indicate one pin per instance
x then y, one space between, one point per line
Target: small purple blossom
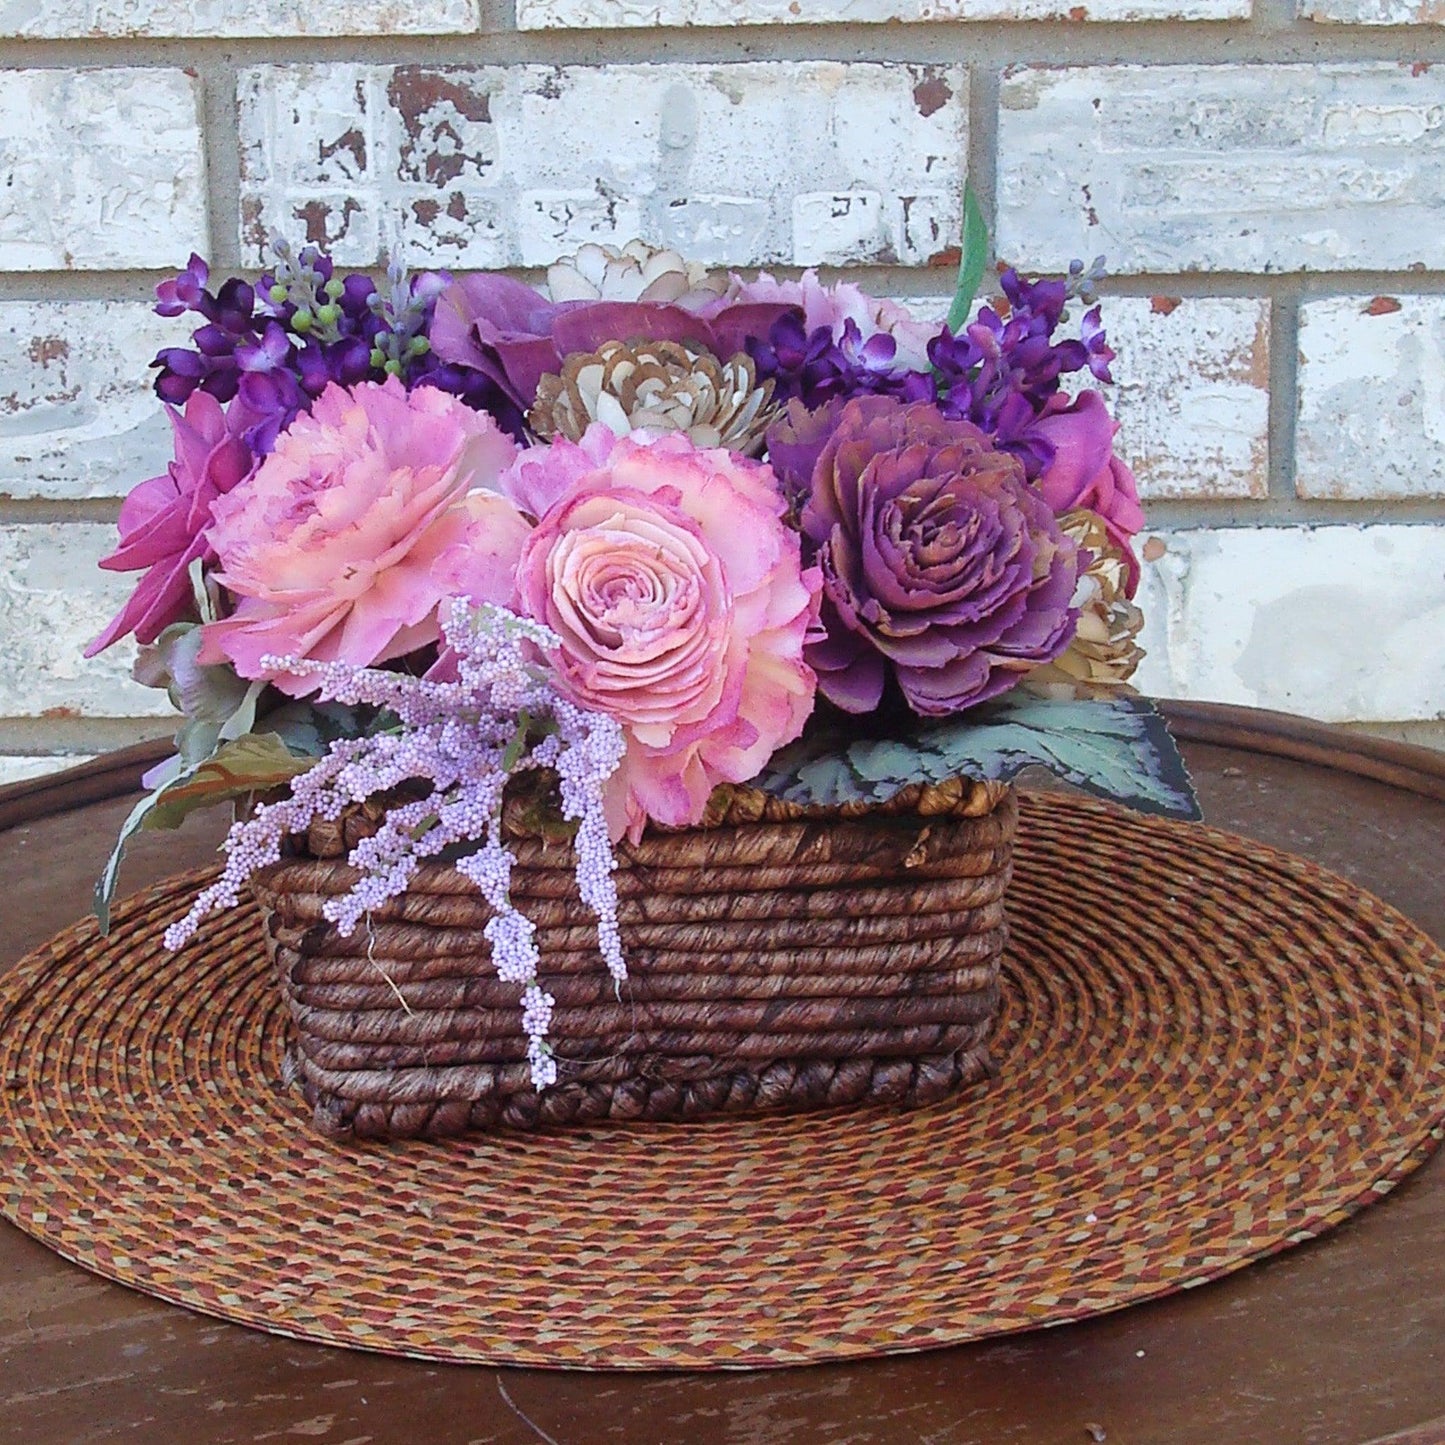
278 346
1000 371
815 367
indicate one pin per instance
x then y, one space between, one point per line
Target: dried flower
656 386
461 736
1103 653
638 272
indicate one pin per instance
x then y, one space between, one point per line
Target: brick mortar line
916 282
1282 430
996 43
221 143
1275 510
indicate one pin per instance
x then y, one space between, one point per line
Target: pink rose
354 529
1085 473
680 598
163 520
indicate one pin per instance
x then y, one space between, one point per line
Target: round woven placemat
1209 1051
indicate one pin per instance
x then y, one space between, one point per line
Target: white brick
107 19
483 167
53 601
1192 394
610 14
1373 12
1224 167
1342 624
78 417
100 169
17 768
1372 398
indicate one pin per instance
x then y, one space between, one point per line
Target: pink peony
1085 473
163 520
682 605
356 527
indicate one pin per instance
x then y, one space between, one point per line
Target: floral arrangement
654 532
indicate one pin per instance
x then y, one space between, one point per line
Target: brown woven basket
779 957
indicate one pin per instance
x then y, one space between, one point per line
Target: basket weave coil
802 958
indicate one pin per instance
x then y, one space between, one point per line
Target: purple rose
940 563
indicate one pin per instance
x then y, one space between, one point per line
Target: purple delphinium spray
816 367
279 346
467 738
1000 373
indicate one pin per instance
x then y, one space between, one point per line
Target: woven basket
778 958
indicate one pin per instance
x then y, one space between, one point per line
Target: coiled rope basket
779 957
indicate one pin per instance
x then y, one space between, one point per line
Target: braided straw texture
1212 1052
779 958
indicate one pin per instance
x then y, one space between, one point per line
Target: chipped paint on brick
108 19
1192 398
78 417
651 14
480 167
100 169
1223 167
1371 399
54 599
1338 623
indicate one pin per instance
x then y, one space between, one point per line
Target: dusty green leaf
1117 748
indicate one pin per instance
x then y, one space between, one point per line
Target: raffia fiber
779 958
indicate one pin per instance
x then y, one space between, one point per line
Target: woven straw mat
1209 1051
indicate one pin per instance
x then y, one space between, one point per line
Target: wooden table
1342 1340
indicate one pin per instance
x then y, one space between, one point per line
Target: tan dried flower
659 386
1103 654
638 272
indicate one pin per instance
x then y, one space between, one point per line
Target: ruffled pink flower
1085 473
364 518
163 520
834 306
682 604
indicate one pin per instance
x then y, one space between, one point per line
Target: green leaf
252 763
971 263
1118 748
247 764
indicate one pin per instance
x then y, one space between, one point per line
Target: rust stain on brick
61 712
352 141
45 349
1421 67
1078 12
317 217
931 94
1382 306
440 116
1165 305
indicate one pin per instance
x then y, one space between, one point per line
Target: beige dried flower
658 386
1103 654
638 272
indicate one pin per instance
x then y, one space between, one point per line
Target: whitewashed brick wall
1269 190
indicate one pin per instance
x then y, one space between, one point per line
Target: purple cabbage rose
941 564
